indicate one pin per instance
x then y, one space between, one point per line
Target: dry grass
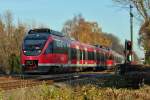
87 92
111 88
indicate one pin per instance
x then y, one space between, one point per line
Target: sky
54 13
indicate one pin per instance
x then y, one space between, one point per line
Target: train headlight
39 51
24 51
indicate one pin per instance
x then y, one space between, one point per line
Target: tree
11 37
141 6
142 9
85 31
70 26
116 45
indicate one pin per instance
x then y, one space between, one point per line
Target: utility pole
131 30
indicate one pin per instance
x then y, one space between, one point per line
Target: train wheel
94 69
54 70
80 69
141 83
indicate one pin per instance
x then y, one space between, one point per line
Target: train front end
33 49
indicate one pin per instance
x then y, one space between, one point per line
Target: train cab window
49 49
34 43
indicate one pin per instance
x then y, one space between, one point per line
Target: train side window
73 53
92 58
107 56
60 47
49 49
115 58
110 57
86 55
90 55
95 57
83 55
98 56
102 57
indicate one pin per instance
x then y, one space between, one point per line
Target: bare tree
11 36
142 9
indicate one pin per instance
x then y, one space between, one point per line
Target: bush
87 92
147 60
14 62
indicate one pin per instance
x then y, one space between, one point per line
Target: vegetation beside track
83 89
88 92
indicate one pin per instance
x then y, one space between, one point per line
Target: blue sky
54 13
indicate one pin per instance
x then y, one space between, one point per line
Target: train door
86 55
78 56
95 57
98 58
113 59
104 59
107 59
48 52
82 57
69 55
73 55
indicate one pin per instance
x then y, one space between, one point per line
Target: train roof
73 43
45 31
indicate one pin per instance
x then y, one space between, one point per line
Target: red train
45 50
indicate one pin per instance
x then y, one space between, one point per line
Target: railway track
22 81
14 82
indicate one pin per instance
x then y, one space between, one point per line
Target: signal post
128 51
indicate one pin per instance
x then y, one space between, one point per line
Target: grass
87 89
88 92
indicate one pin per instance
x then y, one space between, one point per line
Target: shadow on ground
115 81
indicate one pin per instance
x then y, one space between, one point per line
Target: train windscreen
34 43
